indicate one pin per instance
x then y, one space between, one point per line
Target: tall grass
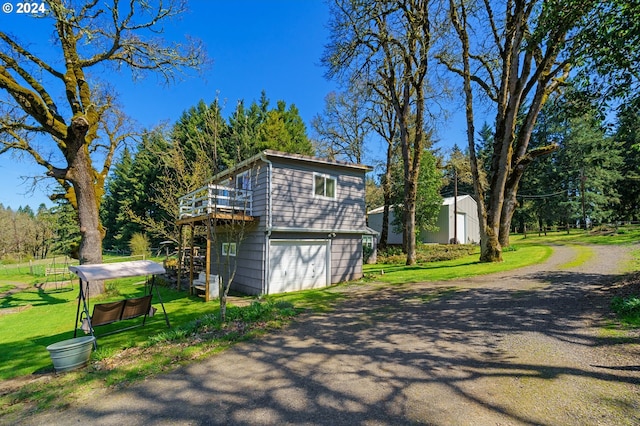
628 309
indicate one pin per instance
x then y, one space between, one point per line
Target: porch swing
110 312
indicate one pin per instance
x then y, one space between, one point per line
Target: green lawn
32 319
459 268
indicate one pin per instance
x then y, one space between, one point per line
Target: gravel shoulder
527 347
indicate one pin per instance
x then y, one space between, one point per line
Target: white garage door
461 228
297 265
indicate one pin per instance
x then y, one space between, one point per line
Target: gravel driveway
524 347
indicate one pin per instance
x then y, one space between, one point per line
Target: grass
627 309
600 236
583 255
466 266
126 357
39 318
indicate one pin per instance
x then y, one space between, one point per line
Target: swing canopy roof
106 271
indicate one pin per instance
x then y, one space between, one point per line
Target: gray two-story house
281 222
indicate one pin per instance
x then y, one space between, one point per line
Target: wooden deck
220 217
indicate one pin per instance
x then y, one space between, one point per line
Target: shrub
139 245
626 306
628 309
427 253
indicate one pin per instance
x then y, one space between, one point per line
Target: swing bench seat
111 312
107 313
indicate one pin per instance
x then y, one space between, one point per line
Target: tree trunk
508 209
490 248
410 226
82 176
410 193
386 194
223 305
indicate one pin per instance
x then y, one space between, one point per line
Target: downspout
267 234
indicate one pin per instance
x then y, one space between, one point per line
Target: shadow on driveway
524 350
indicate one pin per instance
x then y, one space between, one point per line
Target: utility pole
455 206
582 194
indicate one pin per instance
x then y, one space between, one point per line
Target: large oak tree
514 54
58 96
387 46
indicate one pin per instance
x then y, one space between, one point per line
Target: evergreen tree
118 194
627 136
142 192
578 183
429 200
65 228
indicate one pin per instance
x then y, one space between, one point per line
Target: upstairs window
324 186
243 181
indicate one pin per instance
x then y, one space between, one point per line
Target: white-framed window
324 185
243 180
229 249
367 241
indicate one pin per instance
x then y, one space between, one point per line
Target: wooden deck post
207 259
191 262
180 253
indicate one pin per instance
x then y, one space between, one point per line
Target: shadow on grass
29 355
24 298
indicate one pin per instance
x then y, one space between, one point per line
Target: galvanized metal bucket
71 354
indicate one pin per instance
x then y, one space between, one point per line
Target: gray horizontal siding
295 205
249 260
346 258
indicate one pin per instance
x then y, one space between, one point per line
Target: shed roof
105 271
445 202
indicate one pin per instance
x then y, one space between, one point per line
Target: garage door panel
297 265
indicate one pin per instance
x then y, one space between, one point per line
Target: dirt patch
17 287
8 311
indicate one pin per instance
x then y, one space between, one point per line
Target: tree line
142 193
25 234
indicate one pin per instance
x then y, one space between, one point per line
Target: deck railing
215 198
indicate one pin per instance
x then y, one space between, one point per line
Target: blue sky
255 45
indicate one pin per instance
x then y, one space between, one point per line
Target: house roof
271 154
445 202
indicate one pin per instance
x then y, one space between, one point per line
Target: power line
554 194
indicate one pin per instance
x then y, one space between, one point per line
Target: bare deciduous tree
343 125
389 43
59 96
520 52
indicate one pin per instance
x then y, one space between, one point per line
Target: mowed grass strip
466 266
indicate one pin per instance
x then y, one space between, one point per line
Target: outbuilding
460 217
281 222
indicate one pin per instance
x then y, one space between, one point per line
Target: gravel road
526 347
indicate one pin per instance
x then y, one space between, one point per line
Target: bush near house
427 253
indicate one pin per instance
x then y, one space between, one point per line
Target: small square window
229 249
324 186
